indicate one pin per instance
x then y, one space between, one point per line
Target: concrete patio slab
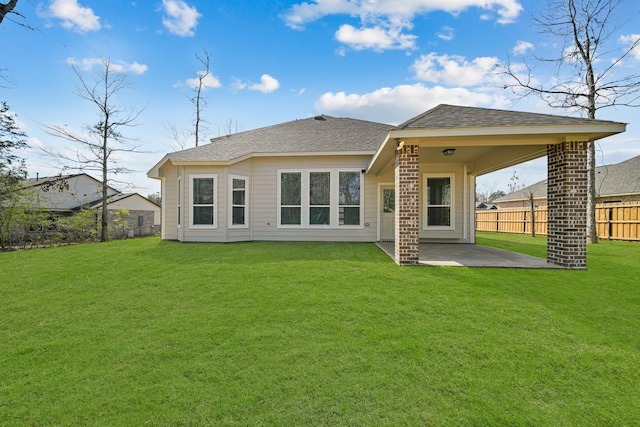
470 255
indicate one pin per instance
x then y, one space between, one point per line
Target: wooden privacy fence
614 221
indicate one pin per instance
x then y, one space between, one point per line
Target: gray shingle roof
314 135
452 116
616 179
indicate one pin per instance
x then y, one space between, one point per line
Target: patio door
387 212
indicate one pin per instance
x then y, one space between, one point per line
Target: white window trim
179 193
246 201
334 222
215 202
425 218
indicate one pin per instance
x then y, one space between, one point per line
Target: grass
148 332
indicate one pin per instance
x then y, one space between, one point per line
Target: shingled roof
611 180
320 134
453 116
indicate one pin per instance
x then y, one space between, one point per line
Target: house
619 182
484 206
66 194
342 179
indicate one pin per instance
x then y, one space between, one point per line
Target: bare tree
96 148
198 100
589 70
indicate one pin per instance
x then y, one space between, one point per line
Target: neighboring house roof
320 134
452 116
40 181
611 180
122 196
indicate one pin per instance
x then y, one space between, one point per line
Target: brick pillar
407 180
567 200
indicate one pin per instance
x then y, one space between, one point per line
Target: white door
387 212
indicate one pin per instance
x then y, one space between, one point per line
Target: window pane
319 215
238 183
349 216
439 216
439 191
319 188
203 191
290 216
237 216
238 197
389 200
203 215
349 188
290 188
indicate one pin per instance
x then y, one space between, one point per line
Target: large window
320 198
238 197
203 200
290 198
179 202
349 197
439 201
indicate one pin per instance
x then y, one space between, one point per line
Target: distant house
484 206
67 194
619 182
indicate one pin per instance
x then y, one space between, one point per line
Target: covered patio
470 255
452 145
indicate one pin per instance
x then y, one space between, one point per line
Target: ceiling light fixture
448 152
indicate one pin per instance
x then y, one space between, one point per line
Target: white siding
169 203
136 202
82 189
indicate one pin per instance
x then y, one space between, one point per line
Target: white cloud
87 64
453 70
394 105
181 19
74 17
630 40
376 38
446 33
368 10
522 47
267 84
209 81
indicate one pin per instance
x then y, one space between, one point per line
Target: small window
238 198
290 198
439 198
203 201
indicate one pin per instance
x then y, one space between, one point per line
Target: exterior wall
169 194
567 196
264 192
132 228
138 203
82 189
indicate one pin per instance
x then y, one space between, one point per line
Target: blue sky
276 61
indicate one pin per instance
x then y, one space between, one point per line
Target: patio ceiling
487 149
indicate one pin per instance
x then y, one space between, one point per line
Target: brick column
407 180
567 200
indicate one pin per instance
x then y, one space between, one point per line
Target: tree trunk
6 8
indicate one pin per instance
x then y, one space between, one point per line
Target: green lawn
145 332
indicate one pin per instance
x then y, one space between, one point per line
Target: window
179 202
349 197
290 198
319 198
238 197
439 207
203 200
324 198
